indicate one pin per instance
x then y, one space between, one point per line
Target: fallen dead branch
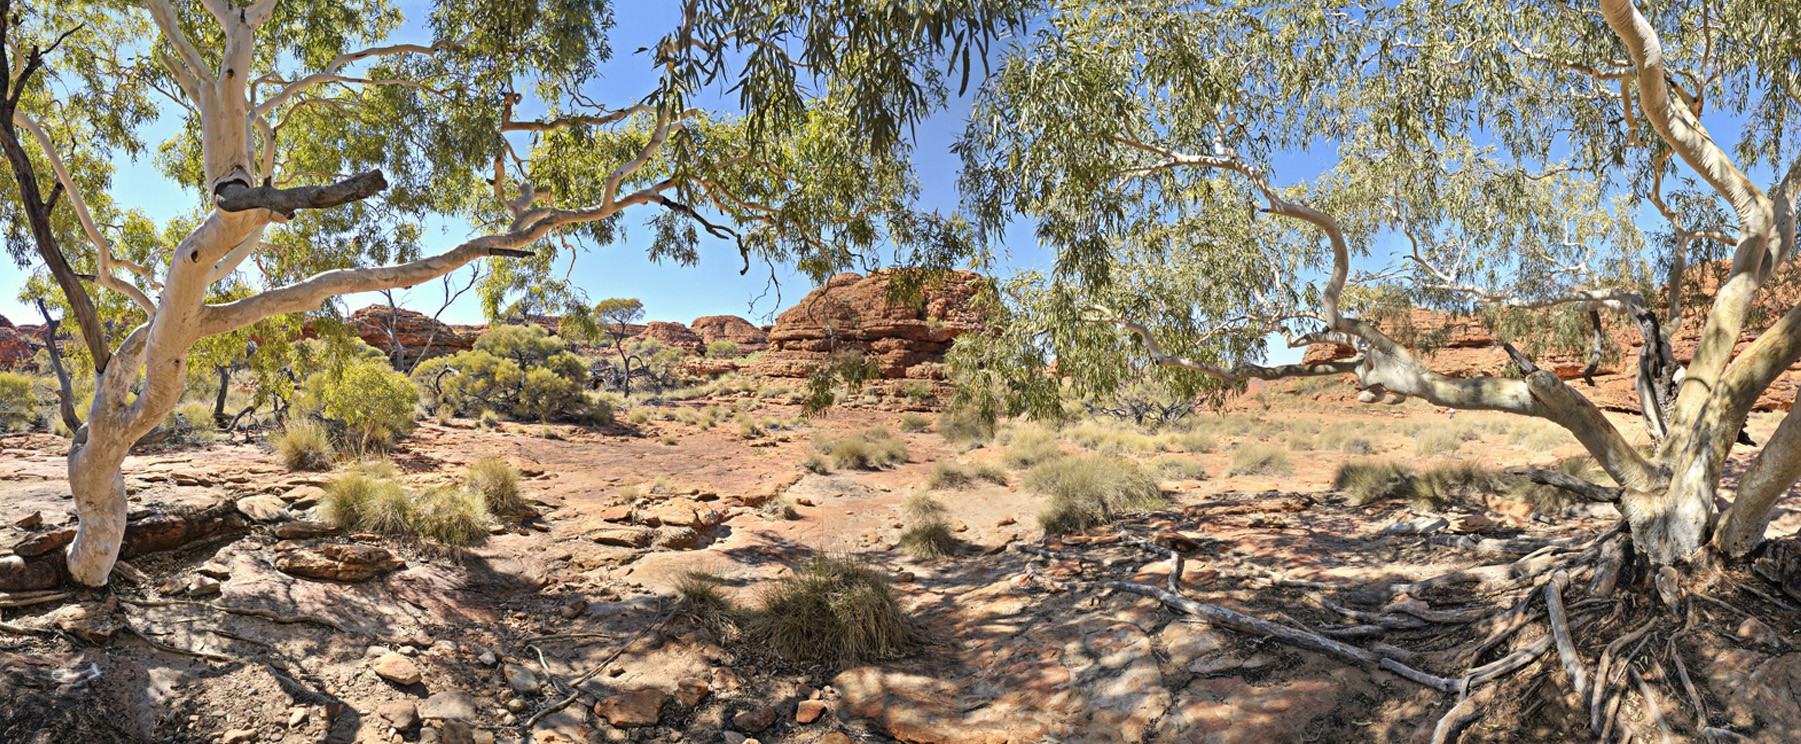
1234 620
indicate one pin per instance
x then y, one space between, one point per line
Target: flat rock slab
455 705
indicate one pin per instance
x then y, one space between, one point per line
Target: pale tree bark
154 355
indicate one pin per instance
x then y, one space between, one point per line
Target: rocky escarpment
856 313
747 337
19 345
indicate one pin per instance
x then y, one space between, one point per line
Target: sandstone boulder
339 562
856 313
673 336
418 335
749 338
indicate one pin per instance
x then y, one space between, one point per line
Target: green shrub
1369 482
18 405
372 402
1259 459
723 349
914 422
917 391
780 508
816 463
834 612
302 445
948 475
923 506
1029 447
1087 490
871 450
497 482
518 372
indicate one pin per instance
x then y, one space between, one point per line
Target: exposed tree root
1491 654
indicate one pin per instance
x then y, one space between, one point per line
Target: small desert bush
302 445
372 401
964 427
779 508
1357 446
1193 442
914 422
1107 439
723 349
1091 489
816 463
1176 467
698 596
922 506
448 516
1260 459
834 612
949 475
1302 442
870 450
1539 436
18 405
639 417
748 428
928 540
1437 440
369 498
497 482
1371 482
1029 447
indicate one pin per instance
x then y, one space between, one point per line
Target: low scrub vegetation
497 482
929 537
1373 482
914 422
1551 499
871 450
370 404
834 612
1088 490
18 405
1027 447
951 475
371 498
1443 439
1260 459
965 427
303 446
518 372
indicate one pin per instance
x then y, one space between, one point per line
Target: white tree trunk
98 484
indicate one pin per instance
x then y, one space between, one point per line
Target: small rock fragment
636 708
754 720
808 711
401 714
454 705
690 690
520 679
396 668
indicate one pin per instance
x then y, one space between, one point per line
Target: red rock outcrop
673 336
749 338
19 345
854 312
419 335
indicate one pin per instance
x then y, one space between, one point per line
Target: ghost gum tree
1529 157
316 147
1541 163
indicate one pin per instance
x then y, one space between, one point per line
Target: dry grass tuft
303 445
872 450
834 612
1260 459
497 481
929 540
952 475
1091 489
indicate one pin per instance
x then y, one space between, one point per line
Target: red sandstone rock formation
672 335
749 338
419 335
854 312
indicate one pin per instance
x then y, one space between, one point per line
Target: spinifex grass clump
498 483
370 498
1372 482
953 475
303 445
1260 459
871 450
930 535
834 612
1091 489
